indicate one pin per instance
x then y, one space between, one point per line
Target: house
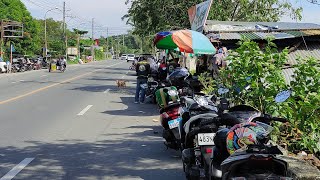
302 39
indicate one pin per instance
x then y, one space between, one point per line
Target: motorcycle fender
176 133
207 155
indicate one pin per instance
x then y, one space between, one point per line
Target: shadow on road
133 109
137 156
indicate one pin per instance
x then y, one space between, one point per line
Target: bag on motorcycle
167 95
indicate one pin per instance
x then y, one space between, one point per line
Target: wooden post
1 39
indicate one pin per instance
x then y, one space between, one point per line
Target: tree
150 17
15 10
253 10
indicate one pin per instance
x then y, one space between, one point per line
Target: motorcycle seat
162 110
196 118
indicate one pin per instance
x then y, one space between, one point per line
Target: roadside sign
198 15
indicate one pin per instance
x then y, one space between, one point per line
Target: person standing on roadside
143 71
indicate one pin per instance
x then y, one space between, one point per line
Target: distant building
302 39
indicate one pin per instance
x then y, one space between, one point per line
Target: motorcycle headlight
172 93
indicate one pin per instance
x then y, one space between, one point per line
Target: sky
107 14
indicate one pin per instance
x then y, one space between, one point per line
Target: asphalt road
80 125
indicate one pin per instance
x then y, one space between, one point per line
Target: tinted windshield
130 55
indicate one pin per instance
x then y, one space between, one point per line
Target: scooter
207 137
57 65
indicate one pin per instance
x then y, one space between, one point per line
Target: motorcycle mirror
283 96
222 91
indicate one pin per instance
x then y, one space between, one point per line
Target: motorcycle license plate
206 139
174 123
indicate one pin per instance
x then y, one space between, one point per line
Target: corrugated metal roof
228 36
257 35
276 35
235 26
296 33
288 74
249 36
311 32
303 52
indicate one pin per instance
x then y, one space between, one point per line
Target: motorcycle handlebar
283 120
267 119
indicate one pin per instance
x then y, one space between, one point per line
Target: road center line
14 171
85 110
125 74
106 91
50 86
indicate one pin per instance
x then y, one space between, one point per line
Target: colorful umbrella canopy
185 40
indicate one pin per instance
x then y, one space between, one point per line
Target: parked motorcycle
57 65
171 113
184 81
209 145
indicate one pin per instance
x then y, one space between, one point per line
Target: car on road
124 57
130 57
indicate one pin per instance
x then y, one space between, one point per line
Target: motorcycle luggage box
53 67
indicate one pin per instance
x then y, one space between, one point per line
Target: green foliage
248 10
15 10
260 70
266 80
99 55
208 83
303 109
150 17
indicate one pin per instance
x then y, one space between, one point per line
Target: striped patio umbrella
185 40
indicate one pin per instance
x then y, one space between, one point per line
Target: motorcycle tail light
209 150
173 113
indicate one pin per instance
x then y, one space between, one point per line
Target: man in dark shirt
143 71
173 65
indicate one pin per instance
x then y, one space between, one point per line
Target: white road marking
21 80
14 171
44 75
85 110
106 91
125 74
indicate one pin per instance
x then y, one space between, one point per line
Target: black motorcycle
171 112
206 155
184 81
151 87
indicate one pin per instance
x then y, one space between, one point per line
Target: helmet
178 76
242 135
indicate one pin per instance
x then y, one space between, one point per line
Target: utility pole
107 43
64 18
1 49
123 40
64 30
92 49
118 47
